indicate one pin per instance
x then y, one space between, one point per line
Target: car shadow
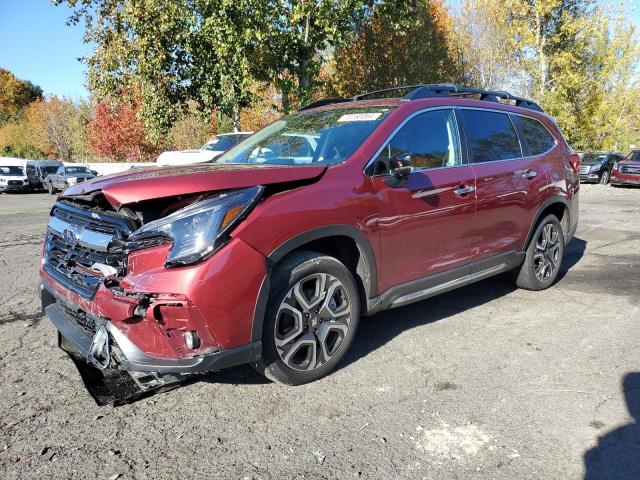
377 330
617 453
573 253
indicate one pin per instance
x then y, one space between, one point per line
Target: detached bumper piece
114 370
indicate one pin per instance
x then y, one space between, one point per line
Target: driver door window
431 138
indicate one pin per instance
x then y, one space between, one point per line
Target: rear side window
490 136
536 137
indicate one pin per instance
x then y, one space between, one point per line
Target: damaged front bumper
114 369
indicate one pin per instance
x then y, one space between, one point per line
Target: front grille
68 259
630 169
584 169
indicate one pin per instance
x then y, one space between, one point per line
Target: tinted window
490 136
431 138
591 158
535 135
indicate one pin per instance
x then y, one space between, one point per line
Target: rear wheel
543 256
604 178
311 318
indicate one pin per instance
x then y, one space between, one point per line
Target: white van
13 177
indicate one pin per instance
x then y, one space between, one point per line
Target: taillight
574 161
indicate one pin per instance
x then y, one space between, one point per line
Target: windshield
11 171
634 156
74 170
48 170
224 142
307 138
589 158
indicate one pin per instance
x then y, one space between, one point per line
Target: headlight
595 168
3 180
199 229
72 180
615 166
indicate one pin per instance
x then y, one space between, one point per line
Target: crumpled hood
142 184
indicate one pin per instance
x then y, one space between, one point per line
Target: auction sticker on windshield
360 117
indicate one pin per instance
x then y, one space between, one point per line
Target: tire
605 177
50 189
301 344
543 256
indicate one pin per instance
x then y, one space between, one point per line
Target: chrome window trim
468 164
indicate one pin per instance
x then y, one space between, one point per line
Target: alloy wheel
547 257
312 322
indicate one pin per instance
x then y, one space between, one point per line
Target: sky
36 44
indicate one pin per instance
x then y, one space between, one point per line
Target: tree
297 35
171 53
210 51
579 61
15 95
398 47
115 132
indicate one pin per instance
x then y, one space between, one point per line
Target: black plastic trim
438 283
366 253
546 204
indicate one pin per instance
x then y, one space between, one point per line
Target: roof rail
451 90
437 90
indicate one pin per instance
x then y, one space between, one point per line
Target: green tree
209 51
170 53
398 46
578 60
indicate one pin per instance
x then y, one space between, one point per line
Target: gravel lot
485 382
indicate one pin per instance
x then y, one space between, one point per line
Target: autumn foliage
116 132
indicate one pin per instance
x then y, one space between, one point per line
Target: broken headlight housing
198 230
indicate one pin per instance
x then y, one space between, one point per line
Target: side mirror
401 169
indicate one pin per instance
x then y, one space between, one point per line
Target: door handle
464 189
526 173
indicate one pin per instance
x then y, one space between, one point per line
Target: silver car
66 176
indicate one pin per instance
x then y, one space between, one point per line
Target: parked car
12 175
66 176
596 167
627 170
209 151
272 260
38 170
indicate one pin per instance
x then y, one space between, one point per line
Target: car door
423 222
60 179
510 184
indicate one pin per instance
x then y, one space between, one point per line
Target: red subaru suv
271 255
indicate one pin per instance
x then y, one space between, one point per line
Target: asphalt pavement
486 382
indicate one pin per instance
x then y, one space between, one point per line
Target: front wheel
50 189
604 178
311 318
543 256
